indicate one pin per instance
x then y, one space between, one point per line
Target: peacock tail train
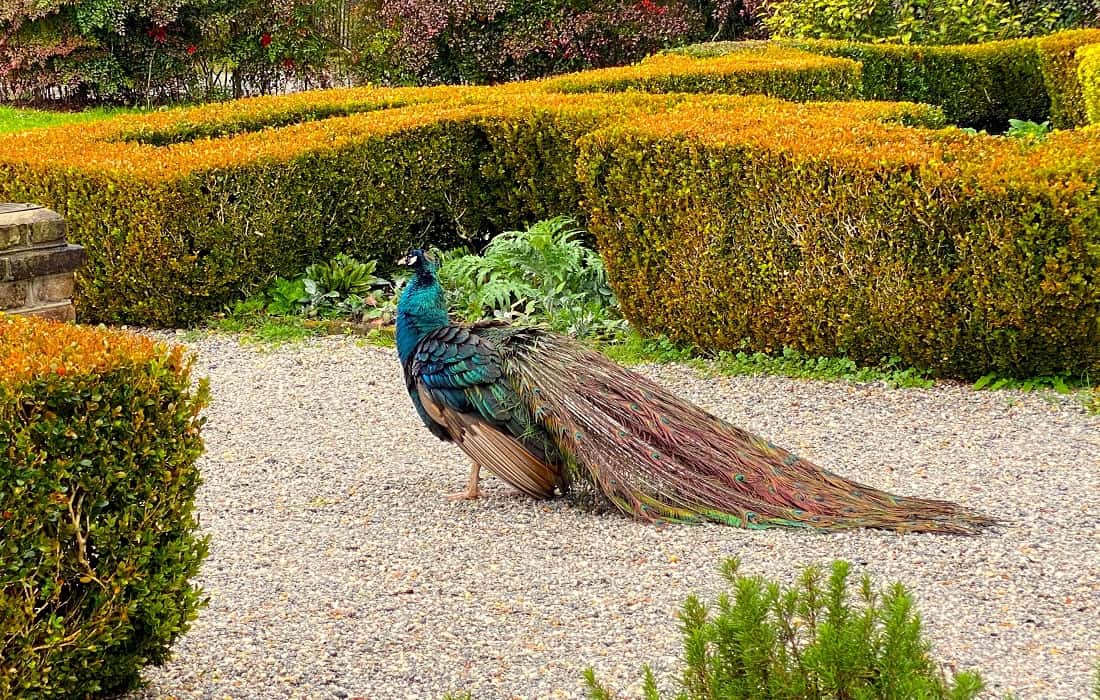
654 455
547 414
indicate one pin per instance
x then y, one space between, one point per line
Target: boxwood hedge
98 542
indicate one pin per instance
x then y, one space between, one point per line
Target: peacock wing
456 376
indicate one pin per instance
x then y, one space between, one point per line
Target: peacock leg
472 491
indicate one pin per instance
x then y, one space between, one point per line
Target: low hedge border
175 232
98 539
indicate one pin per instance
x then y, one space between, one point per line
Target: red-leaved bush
488 41
160 50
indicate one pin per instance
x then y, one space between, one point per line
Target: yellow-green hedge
759 69
1088 76
184 211
979 85
175 232
1058 57
98 542
788 226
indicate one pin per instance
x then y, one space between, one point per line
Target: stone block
55 312
54 287
41 262
14 294
10 237
29 224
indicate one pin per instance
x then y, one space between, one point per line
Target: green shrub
1088 76
172 249
812 641
822 19
1058 58
980 85
98 538
786 227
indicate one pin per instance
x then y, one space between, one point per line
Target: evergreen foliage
815 640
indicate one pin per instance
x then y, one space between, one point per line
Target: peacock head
421 261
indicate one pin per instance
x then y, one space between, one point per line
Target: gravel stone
339 569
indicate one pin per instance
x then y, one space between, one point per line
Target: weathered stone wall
37 265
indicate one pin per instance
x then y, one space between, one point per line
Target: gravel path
339 569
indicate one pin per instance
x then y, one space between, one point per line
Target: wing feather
493 449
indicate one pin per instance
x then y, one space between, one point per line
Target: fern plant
544 274
813 641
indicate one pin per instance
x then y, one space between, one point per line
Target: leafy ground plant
1081 389
815 640
545 274
319 301
1027 130
631 348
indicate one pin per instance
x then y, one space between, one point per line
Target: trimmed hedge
183 211
177 231
1058 57
760 69
786 226
97 481
978 85
1088 75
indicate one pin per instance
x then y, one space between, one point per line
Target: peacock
550 416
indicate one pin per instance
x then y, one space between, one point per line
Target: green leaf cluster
815 640
1027 130
342 288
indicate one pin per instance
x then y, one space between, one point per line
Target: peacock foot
467 495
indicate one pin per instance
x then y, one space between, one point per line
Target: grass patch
268 330
634 349
631 348
1083 390
15 119
792 363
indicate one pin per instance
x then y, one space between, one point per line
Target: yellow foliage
32 348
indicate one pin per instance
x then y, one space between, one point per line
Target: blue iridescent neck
421 310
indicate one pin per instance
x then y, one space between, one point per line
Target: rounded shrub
98 539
